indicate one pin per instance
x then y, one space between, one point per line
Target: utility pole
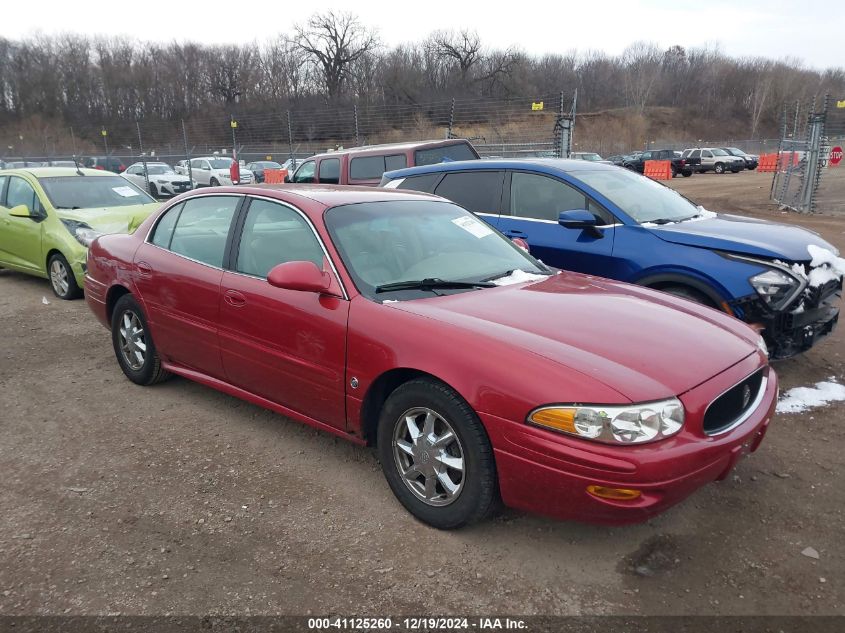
187 154
143 157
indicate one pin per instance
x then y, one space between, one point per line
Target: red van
365 165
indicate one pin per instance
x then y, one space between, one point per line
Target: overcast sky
770 28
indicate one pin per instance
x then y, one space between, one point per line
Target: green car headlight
83 233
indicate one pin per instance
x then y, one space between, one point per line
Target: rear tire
214 183
436 455
62 278
133 344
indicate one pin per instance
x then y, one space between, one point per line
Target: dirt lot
178 499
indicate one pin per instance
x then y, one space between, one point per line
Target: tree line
333 59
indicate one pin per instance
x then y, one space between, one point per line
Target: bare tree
642 62
462 48
334 41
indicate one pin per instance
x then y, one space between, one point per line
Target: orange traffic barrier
275 176
658 169
787 159
768 162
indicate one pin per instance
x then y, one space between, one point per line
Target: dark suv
366 165
679 165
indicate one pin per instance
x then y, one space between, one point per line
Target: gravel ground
178 499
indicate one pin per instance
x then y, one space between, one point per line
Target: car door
178 272
284 345
201 171
640 162
21 238
135 175
305 173
477 191
707 159
534 202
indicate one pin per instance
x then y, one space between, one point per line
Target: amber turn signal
616 494
560 419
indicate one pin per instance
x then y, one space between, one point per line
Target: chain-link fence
807 176
830 189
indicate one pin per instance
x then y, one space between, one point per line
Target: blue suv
608 221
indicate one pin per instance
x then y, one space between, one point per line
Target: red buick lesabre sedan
401 321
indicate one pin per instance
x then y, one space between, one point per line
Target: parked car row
489 339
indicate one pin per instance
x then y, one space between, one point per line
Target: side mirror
577 219
21 211
299 275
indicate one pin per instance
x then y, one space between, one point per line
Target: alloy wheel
133 342
59 277
428 456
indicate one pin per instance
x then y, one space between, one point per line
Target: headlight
761 345
774 287
83 233
632 424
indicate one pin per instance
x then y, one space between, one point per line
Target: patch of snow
390 301
518 277
826 266
44 301
703 214
800 399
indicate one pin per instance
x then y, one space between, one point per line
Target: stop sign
835 155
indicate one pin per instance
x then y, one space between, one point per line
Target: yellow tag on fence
536 106
840 104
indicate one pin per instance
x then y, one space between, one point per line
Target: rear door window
396 161
330 170
477 191
202 229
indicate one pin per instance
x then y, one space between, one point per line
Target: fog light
617 494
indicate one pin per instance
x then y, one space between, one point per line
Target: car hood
746 236
643 344
111 219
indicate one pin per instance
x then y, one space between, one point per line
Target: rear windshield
444 154
92 192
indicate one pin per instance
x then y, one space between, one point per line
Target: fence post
187 154
105 134
143 157
72 140
355 112
290 142
451 119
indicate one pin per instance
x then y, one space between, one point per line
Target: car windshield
590 157
641 198
157 170
444 154
220 163
734 151
267 165
719 152
412 240
92 192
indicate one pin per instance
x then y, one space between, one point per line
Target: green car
50 215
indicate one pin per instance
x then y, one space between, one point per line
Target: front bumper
547 473
788 333
173 189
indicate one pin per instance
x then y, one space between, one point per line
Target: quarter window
274 234
424 182
203 227
330 171
397 161
164 229
305 173
479 191
543 198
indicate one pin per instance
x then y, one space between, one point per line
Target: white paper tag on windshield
126 192
471 225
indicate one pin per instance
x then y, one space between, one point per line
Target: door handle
234 298
144 269
515 233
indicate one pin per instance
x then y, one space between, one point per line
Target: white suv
213 171
713 159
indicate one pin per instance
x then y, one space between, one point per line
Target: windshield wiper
431 284
512 271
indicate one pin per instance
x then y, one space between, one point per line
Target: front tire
62 278
685 292
719 168
133 344
153 191
436 455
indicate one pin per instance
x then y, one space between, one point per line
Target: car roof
325 195
390 147
548 165
57 172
